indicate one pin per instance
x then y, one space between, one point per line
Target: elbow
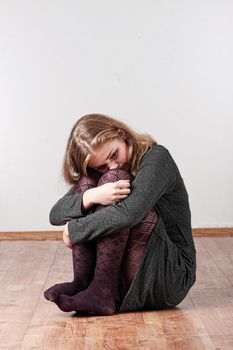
54 219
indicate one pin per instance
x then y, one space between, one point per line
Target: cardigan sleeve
68 207
156 176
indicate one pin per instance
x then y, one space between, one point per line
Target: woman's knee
85 183
114 175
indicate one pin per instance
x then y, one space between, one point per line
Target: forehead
99 155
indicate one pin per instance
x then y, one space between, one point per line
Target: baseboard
216 231
31 236
57 235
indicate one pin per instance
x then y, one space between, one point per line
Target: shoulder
159 148
157 158
156 151
157 163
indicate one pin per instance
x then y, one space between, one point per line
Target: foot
68 288
83 301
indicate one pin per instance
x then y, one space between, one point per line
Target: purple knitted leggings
104 268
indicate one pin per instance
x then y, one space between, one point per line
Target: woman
151 209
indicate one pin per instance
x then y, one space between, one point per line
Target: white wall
164 67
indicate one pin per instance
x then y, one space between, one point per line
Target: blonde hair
92 130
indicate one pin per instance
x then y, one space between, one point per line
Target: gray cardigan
167 269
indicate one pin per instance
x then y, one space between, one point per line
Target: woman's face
113 154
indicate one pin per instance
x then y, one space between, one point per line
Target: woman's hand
112 192
66 239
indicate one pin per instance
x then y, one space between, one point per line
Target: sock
84 259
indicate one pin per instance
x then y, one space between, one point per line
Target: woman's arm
155 177
73 205
70 206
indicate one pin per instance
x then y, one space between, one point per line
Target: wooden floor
204 320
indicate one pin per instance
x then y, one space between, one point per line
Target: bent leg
102 294
83 256
138 238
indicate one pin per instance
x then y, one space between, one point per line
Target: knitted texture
139 235
102 294
103 268
83 257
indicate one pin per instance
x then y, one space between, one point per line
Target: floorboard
204 319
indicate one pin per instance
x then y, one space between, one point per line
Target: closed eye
113 156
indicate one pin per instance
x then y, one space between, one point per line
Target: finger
123 196
124 191
123 183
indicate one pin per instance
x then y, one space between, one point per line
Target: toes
49 295
63 303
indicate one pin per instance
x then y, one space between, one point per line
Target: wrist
89 198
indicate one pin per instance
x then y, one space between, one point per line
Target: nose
112 165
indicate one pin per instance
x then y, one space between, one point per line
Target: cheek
122 158
125 156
